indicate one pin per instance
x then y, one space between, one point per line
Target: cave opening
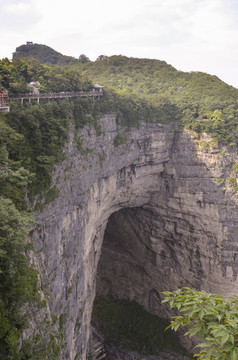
127 259
140 258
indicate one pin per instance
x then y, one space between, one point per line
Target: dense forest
32 138
196 100
44 54
202 102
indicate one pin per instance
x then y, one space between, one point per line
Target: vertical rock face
167 223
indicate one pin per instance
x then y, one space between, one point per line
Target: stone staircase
99 350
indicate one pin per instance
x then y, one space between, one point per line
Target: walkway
57 95
5 99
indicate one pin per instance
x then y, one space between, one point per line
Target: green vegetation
199 101
44 54
15 77
45 344
232 182
235 167
32 138
128 325
42 131
37 135
18 280
120 139
31 143
213 318
19 296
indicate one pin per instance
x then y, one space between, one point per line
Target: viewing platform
5 99
57 95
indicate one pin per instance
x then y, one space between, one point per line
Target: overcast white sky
191 35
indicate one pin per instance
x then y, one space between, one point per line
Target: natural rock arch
164 192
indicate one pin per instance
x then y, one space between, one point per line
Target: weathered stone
172 223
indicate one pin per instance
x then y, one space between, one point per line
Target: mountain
201 102
126 203
43 53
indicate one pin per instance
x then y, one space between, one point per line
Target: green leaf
201 314
175 328
225 338
202 345
234 354
231 339
227 348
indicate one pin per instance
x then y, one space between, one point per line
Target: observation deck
5 99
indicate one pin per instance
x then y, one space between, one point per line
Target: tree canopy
44 53
213 318
199 99
196 96
15 77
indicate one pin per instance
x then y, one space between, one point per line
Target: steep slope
152 212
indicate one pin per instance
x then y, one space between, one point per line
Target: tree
101 57
18 280
83 58
211 317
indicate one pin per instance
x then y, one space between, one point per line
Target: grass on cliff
126 324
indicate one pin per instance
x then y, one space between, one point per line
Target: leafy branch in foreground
211 317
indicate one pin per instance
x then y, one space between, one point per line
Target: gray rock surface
171 223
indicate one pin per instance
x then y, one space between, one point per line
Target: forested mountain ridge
200 101
44 54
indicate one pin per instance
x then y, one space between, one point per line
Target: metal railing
55 95
5 98
4 103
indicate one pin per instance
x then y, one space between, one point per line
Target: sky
191 35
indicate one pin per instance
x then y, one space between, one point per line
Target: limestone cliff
132 220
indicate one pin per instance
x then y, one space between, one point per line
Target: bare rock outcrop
167 220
